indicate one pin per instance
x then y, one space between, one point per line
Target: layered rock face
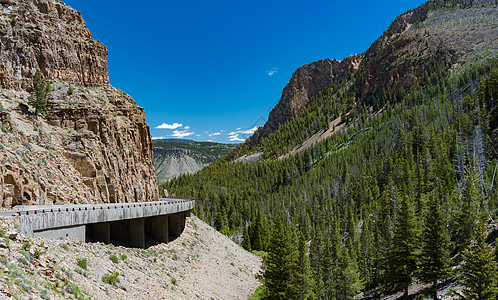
421 40
93 145
50 36
306 82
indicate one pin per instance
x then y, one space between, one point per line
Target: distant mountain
175 140
173 157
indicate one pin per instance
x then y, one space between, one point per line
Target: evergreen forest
401 196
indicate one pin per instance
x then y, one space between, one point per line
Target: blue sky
212 70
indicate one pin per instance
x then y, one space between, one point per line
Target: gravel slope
200 264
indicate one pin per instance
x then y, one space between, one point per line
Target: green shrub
111 278
173 280
38 97
75 290
114 258
37 253
82 263
23 261
124 256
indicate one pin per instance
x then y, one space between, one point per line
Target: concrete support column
187 213
101 232
176 222
160 228
137 233
184 215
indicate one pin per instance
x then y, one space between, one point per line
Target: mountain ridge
400 57
174 157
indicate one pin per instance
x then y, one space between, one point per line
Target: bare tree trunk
434 290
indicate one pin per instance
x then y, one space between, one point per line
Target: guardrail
129 223
25 210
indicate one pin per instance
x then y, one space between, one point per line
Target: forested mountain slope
387 200
435 32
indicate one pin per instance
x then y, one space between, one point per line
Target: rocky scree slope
171 163
174 158
200 264
93 145
430 34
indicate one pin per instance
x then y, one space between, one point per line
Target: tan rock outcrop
93 145
306 82
50 36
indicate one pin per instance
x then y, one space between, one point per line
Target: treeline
385 202
206 148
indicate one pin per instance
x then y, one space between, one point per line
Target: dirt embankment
200 264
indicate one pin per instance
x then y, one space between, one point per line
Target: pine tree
404 259
434 259
246 243
316 257
367 252
348 282
280 264
468 216
384 234
304 279
258 239
479 271
38 97
496 252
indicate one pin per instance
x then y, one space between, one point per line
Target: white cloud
248 131
235 138
187 127
272 72
215 133
182 133
159 137
169 126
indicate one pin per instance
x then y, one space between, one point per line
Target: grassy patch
261 254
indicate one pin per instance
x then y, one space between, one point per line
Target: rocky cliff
93 145
437 32
306 82
50 36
